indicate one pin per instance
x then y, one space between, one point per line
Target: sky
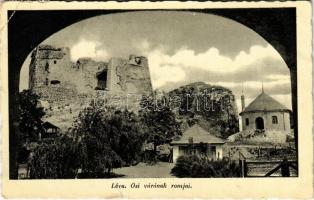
181 47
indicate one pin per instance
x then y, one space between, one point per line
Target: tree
109 137
90 129
129 133
30 116
159 119
59 158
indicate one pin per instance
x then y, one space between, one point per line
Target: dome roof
264 102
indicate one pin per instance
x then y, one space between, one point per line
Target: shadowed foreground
143 170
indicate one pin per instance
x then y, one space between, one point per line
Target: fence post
245 168
285 172
241 167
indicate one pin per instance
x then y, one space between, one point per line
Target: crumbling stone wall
65 87
48 63
129 76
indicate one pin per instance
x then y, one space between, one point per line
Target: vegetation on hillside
214 104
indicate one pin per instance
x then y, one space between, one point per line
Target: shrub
58 159
98 157
197 167
23 154
110 138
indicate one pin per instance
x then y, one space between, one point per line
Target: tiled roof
199 135
264 102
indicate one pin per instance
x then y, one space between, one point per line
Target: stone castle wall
65 87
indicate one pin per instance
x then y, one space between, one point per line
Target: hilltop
211 106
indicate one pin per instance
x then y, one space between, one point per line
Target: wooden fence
278 168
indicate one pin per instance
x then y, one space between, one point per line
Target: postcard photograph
153 93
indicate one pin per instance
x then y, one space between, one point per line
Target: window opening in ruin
101 80
54 82
247 122
47 67
138 60
55 62
46 82
78 63
274 119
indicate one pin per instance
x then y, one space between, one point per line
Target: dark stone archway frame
27 29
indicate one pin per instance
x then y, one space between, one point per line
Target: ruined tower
68 86
47 66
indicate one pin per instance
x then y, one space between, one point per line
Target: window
274 119
138 60
247 122
47 67
101 80
54 62
54 82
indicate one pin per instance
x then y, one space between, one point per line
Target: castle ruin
65 87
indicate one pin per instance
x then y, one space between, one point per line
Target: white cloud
174 68
278 77
161 73
167 69
88 48
212 60
144 45
177 68
255 84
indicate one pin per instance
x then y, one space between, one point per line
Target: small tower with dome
265 113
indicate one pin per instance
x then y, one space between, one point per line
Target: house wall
180 150
283 120
219 152
175 153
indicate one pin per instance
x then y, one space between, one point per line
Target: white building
265 113
198 141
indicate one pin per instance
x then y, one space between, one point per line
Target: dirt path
142 170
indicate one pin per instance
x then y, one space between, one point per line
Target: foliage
200 167
58 158
30 116
129 133
97 157
23 154
159 119
215 104
109 137
260 137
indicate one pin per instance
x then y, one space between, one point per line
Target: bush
58 159
98 158
197 167
110 138
23 154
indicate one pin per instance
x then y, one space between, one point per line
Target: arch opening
16 81
259 123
